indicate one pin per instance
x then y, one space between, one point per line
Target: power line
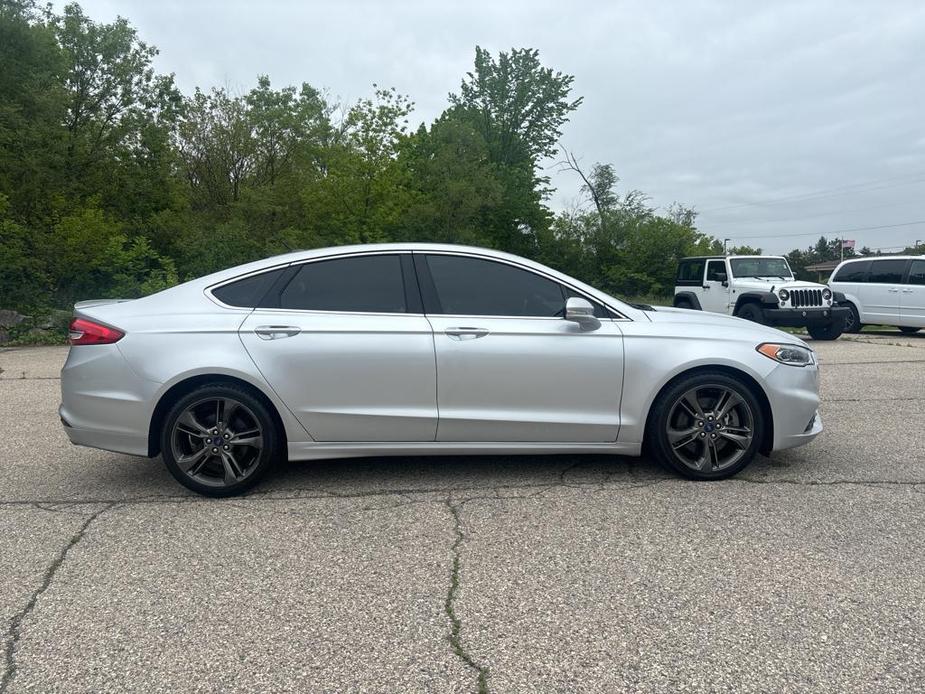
823 193
817 214
832 231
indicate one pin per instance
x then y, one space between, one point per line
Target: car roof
720 257
882 257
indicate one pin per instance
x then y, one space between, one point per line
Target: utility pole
726 243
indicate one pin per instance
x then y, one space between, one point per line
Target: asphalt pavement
510 574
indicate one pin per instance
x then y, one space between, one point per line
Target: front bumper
793 393
799 318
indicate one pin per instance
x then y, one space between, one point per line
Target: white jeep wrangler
759 288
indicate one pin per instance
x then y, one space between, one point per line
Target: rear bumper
115 441
104 403
799 318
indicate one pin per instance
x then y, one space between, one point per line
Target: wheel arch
191 383
690 297
754 298
767 433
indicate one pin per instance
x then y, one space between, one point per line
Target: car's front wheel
751 312
219 440
908 330
853 320
706 426
831 331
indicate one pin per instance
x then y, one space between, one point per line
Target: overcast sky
778 121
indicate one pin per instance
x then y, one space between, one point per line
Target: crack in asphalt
455 636
606 483
14 633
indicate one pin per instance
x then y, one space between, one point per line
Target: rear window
690 272
853 272
887 271
247 292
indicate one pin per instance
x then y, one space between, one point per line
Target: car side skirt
306 450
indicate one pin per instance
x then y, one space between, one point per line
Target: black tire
852 320
750 311
832 331
249 414
667 406
683 303
908 330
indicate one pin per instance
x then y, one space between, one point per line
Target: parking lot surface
510 574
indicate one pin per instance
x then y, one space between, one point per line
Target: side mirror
581 311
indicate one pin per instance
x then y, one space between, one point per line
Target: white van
883 290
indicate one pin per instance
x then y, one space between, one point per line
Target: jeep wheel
908 330
852 320
683 303
750 312
832 331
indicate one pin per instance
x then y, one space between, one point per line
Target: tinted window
247 292
853 272
691 271
716 271
366 283
917 272
473 287
887 271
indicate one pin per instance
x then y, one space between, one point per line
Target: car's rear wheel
706 426
750 312
853 320
683 303
908 330
219 440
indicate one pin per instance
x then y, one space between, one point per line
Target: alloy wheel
217 441
710 428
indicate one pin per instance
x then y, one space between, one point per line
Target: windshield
760 267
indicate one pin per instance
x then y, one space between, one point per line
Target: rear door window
916 272
887 271
362 284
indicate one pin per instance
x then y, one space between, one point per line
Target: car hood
688 318
765 284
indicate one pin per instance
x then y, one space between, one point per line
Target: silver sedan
405 349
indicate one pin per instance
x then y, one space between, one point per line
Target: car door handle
466 333
276 332
893 290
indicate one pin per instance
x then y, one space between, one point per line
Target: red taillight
86 332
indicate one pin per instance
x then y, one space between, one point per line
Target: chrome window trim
208 290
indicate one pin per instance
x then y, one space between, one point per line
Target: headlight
826 293
792 355
783 294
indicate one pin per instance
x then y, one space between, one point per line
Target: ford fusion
406 349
